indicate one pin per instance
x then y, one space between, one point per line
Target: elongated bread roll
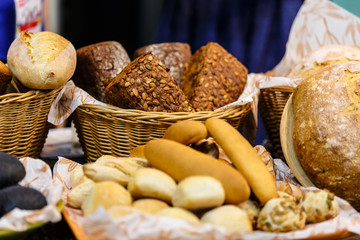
181 161
244 157
186 132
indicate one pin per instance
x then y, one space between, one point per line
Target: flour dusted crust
326 132
325 56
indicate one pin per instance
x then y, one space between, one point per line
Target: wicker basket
271 105
23 121
112 130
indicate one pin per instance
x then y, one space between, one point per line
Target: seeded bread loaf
174 55
326 132
213 78
97 64
5 77
145 84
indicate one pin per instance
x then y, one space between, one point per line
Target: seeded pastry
145 84
213 78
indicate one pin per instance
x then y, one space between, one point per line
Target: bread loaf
145 84
213 78
174 55
186 132
5 77
326 132
97 64
44 60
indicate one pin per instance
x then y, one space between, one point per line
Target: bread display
198 192
231 217
5 77
281 215
319 205
174 55
97 64
150 182
213 78
326 130
145 84
324 56
44 60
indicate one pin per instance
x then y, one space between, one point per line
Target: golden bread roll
326 131
289 188
266 158
44 60
198 192
319 205
244 157
105 194
324 56
252 209
229 216
138 152
151 182
181 161
180 213
118 211
149 205
99 173
78 193
76 175
127 165
186 132
281 215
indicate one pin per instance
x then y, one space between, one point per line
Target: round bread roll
281 215
149 205
150 182
252 209
326 131
319 205
324 56
44 60
118 211
231 217
180 213
198 192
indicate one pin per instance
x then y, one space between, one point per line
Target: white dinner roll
231 217
319 205
198 192
153 183
180 213
76 175
149 205
44 60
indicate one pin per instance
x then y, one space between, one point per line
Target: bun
149 205
79 192
105 194
198 192
229 216
181 161
150 182
324 56
179 213
213 78
5 77
186 132
244 157
326 132
174 55
44 60
97 64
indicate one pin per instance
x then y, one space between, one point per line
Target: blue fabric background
7 26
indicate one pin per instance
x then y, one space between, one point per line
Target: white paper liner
140 225
38 176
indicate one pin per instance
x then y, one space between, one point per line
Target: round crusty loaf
326 130
44 60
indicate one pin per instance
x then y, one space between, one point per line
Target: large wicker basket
23 121
112 130
271 105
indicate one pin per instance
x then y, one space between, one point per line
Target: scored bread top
213 78
327 131
145 84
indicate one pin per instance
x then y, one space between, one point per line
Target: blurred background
255 31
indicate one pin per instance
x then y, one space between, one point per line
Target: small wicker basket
112 130
271 105
23 121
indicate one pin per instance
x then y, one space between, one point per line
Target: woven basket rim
113 111
27 96
287 89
